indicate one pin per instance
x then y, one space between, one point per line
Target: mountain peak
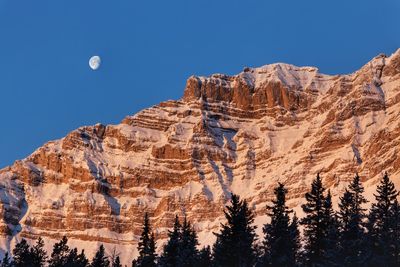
269 86
280 85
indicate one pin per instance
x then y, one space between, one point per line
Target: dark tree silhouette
318 213
295 244
114 258
76 260
81 260
380 224
59 256
280 236
116 262
234 245
204 258
169 257
38 254
146 246
351 218
395 230
331 226
100 259
22 254
7 261
187 252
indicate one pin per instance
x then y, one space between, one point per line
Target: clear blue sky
149 48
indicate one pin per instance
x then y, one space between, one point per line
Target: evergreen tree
72 256
169 257
395 230
81 260
331 226
6 262
204 258
380 223
357 190
116 262
315 225
76 260
146 246
351 216
295 244
280 244
22 254
100 259
38 254
114 258
234 245
187 252
59 256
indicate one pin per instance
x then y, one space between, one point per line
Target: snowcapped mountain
240 134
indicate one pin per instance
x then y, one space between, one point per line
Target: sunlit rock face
240 134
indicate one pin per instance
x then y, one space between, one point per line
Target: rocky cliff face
240 134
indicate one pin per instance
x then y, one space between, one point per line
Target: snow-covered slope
240 134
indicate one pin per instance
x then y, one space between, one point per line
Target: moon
94 62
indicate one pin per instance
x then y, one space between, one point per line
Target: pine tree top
315 198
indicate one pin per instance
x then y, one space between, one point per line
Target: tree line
350 236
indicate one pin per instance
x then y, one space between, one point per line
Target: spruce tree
280 242
38 254
169 256
188 252
380 223
234 245
204 257
351 233
76 260
331 240
81 260
7 261
100 259
22 254
114 258
395 230
59 256
295 244
146 246
357 190
72 256
315 230
116 262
